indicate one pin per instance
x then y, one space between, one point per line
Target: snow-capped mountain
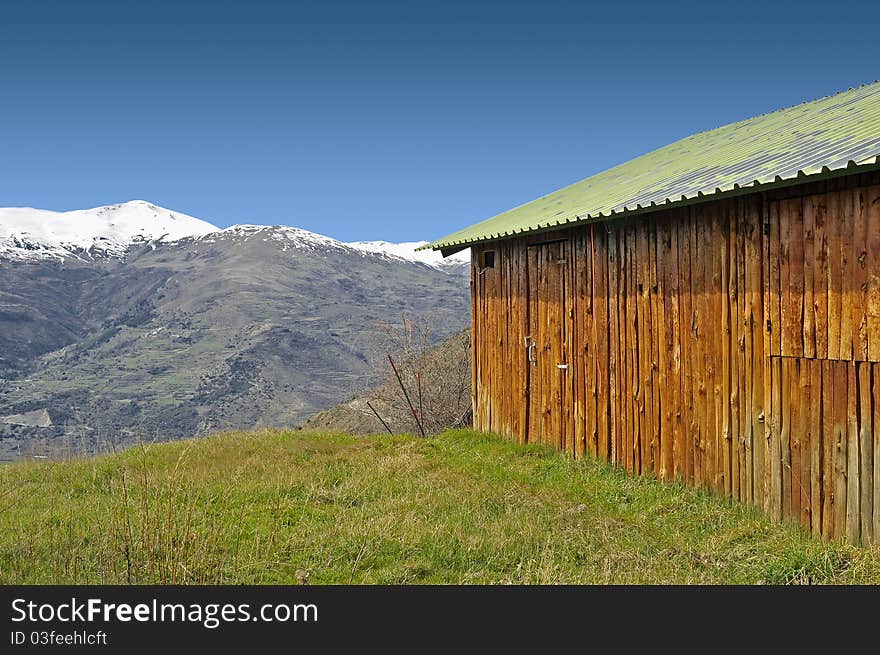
407 250
108 232
133 320
27 233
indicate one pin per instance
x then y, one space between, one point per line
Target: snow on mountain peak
109 231
407 250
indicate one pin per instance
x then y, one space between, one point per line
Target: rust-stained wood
701 345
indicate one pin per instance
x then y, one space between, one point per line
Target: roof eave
447 247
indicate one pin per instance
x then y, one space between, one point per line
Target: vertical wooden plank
767 291
563 331
622 440
665 441
755 329
866 454
589 355
814 206
829 447
859 281
708 258
602 328
593 354
524 331
636 398
848 330
797 276
774 287
785 301
719 366
613 344
835 276
644 345
742 422
853 495
840 447
620 349
548 431
579 298
789 391
796 408
697 332
777 384
808 267
626 340
535 407
804 401
815 408
675 453
726 355
686 339
657 346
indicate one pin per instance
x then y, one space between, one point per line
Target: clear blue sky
383 120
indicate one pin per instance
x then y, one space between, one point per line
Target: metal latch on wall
530 351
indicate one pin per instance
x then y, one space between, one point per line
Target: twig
419 385
406 395
380 419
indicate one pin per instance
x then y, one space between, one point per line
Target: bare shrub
436 377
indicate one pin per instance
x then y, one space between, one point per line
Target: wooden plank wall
673 370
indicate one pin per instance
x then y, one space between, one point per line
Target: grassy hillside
275 507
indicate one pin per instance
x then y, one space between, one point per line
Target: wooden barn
708 312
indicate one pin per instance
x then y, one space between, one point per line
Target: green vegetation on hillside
278 507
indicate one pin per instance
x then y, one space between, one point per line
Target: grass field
276 507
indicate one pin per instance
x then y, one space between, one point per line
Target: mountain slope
242 327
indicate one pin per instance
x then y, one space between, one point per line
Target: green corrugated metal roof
816 137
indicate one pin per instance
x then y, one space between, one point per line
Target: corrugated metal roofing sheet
816 137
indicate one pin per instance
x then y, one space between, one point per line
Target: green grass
275 507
